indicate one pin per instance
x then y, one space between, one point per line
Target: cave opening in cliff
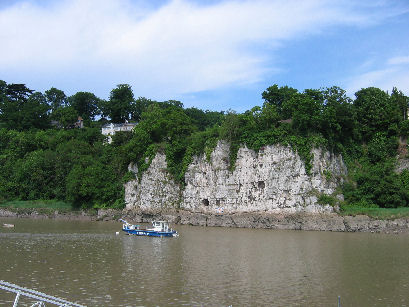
205 202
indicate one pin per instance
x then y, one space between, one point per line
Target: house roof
118 125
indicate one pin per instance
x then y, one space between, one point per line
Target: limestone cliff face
156 190
272 180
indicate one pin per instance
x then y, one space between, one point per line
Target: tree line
41 161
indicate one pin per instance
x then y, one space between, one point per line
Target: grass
37 204
378 213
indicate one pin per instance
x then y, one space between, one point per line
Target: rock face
273 180
156 190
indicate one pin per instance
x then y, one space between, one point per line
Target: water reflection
88 263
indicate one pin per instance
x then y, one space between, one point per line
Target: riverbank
77 215
300 221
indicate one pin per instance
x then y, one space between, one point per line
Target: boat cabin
127 226
160 226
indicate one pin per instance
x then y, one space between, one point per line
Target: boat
159 229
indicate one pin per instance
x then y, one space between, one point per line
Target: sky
212 55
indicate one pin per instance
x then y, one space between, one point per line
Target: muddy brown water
88 263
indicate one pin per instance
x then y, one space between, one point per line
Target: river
88 263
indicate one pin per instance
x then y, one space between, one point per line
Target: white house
110 129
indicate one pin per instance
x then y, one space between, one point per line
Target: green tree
278 97
18 92
55 98
269 116
65 115
93 185
307 108
120 105
140 106
213 118
21 109
230 129
85 104
35 175
35 112
204 119
164 124
338 118
381 147
402 103
171 103
376 185
375 111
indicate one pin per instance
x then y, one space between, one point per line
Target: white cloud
399 60
393 73
178 48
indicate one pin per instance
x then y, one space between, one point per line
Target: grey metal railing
39 297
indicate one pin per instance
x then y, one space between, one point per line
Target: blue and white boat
159 229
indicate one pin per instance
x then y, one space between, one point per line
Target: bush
325 199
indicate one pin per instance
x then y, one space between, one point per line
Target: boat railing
123 221
39 297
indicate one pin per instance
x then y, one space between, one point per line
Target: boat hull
150 233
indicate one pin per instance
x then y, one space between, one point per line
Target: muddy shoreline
299 221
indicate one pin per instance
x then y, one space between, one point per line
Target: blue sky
215 55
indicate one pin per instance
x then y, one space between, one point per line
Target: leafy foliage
375 112
21 109
85 104
56 98
120 105
376 185
74 165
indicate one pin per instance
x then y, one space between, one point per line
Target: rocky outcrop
156 189
273 180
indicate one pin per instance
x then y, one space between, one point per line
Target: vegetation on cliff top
43 157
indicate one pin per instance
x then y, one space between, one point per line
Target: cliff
274 180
